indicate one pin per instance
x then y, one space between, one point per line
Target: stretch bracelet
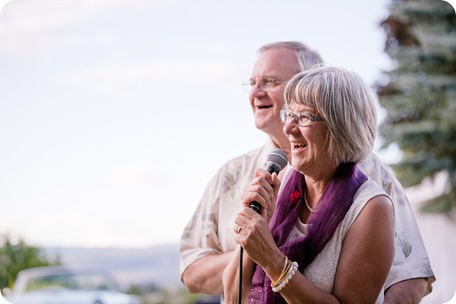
290 274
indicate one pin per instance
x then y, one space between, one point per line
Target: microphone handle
255 205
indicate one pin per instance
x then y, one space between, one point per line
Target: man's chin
263 126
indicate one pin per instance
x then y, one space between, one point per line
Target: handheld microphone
276 160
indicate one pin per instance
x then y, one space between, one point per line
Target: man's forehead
275 63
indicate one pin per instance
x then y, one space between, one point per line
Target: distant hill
158 265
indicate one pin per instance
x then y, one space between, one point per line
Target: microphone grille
278 158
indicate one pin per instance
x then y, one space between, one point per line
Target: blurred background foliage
419 94
15 257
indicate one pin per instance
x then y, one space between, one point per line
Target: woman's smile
297 146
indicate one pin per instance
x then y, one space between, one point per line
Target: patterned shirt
210 230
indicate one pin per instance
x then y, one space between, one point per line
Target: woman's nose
290 127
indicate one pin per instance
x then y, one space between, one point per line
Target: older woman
329 236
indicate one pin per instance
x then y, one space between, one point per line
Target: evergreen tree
419 93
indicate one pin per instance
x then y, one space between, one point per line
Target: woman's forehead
299 107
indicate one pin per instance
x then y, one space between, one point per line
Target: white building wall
439 236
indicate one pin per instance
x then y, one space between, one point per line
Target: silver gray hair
307 57
346 104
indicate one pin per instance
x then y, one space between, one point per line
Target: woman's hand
263 189
251 229
253 234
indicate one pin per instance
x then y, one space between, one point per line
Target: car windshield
70 281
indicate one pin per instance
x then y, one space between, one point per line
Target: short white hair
306 57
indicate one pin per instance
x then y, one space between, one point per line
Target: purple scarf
334 204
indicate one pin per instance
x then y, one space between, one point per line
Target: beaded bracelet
290 273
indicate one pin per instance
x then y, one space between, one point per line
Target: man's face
273 64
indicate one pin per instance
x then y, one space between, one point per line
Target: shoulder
376 169
372 201
371 207
368 194
367 191
246 159
244 165
385 178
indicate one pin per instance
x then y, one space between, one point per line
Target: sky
115 114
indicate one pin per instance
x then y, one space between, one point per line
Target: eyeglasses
265 84
301 119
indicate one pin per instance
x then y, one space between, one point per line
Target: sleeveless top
322 270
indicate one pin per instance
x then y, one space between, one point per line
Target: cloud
137 174
35 16
29 25
44 14
113 78
3 3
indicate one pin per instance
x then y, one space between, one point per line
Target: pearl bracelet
281 283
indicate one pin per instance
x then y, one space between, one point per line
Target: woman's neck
316 181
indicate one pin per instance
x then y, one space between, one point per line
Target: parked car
67 285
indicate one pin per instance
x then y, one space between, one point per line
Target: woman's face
308 144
